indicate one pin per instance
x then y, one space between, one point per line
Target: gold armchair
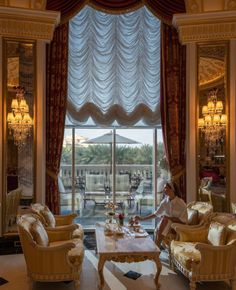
198 214
49 220
49 254
206 253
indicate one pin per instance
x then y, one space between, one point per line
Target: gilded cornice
208 26
28 23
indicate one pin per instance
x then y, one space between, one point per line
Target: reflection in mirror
212 124
19 65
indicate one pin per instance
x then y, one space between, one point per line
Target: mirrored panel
212 140
19 117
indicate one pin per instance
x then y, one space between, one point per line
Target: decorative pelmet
28 23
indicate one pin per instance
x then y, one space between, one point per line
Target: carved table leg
101 263
159 267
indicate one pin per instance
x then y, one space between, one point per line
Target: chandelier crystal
213 122
19 121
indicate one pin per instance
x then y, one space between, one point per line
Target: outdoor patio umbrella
108 138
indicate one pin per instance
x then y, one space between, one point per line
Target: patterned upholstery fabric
192 216
204 209
49 217
212 260
198 213
216 234
49 255
186 253
39 234
60 222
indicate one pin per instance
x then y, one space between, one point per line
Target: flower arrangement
121 217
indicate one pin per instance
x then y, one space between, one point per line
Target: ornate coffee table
125 249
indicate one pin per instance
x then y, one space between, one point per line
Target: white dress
172 208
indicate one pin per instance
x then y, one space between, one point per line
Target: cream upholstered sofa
63 222
50 255
207 253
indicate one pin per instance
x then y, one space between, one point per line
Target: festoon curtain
57 59
114 68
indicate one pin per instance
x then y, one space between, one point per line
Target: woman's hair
174 187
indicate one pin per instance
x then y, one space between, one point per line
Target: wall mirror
19 117
213 120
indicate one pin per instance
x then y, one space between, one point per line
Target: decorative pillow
39 234
216 234
49 217
231 235
192 216
196 235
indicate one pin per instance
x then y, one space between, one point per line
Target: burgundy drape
163 9
173 103
57 60
57 74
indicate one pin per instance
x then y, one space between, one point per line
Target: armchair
206 253
49 254
63 222
198 214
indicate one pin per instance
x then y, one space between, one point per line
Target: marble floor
13 269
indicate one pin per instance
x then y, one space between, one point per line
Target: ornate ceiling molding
28 23
32 4
198 6
208 26
211 71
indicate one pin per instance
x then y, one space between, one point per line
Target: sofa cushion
122 182
49 217
185 253
95 182
196 235
192 216
39 234
216 234
231 232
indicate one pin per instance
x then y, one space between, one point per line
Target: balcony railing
141 171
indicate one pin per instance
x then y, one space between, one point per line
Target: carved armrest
216 259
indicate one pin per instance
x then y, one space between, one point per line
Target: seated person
172 209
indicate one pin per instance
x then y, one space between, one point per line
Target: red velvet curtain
164 9
57 77
57 60
173 103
